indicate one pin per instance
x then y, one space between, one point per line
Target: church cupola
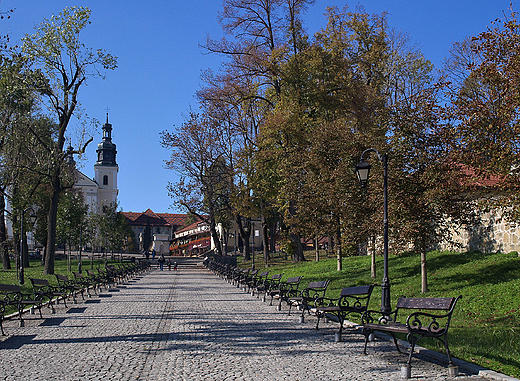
106 168
106 150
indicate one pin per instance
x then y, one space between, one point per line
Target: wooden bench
12 295
285 290
309 297
69 287
51 293
85 282
351 300
422 322
269 284
247 279
257 281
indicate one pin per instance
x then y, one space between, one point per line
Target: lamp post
80 249
32 219
363 172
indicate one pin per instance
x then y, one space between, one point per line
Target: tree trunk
216 239
317 248
4 250
265 241
245 232
373 255
51 225
424 273
272 238
338 245
298 248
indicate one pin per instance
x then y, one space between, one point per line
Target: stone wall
491 234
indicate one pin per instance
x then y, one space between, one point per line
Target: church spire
106 149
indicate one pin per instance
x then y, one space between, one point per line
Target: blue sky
160 62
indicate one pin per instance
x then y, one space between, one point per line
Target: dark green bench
309 297
351 300
429 317
12 295
49 292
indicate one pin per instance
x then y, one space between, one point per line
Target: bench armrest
377 317
327 302
433 323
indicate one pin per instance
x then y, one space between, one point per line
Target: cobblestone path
191 325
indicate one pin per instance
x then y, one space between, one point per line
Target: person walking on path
169 263
161 262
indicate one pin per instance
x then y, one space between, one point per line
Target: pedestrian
175 265
153 254
161 261
169 263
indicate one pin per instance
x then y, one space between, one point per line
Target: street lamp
32 219
363 172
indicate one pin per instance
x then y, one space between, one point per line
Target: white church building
102 190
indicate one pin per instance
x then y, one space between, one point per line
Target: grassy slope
486 325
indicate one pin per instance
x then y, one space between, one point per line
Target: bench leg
367 333
445 341
395 342
318 316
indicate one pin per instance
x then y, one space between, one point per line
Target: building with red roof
162 225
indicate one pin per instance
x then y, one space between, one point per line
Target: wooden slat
425 303
359 290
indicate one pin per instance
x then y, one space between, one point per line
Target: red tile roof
479 180
190 226
156 219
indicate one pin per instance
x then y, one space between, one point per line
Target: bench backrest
426 303
294 280
355 299
10 288
359 290
39 282
318 285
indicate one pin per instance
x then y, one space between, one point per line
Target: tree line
40 82
280 127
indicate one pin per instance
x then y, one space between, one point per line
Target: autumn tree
259 35
197 155
57 51
482 118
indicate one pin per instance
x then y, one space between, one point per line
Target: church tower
106 167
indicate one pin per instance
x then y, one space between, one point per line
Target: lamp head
363 172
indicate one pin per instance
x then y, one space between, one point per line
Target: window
105 180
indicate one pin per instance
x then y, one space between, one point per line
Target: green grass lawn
485 329
35 270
